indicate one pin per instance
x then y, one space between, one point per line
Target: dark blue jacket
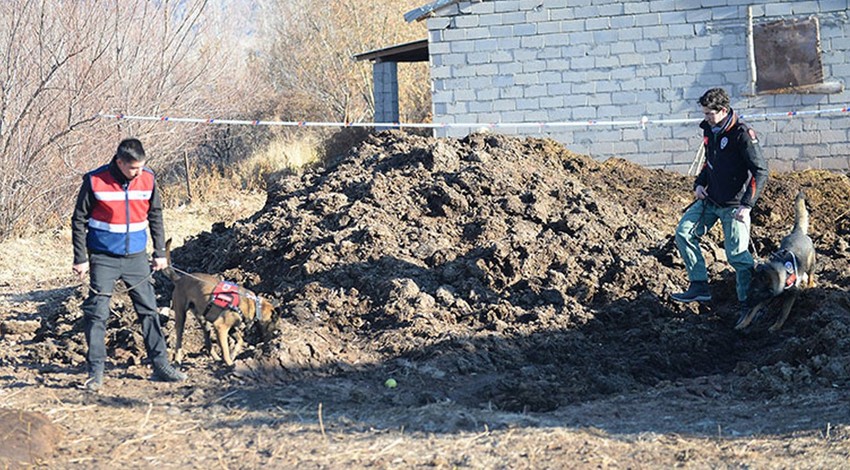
735 171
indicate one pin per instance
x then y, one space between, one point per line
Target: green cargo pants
697 221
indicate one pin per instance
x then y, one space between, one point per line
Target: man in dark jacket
727 188
116 205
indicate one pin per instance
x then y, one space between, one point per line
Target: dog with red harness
220 304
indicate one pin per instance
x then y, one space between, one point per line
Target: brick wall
578 60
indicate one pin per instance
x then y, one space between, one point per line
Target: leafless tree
309 50
62 62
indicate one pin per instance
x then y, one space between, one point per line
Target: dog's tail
169 271
801 214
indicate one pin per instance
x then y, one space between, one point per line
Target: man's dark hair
130 150
715 99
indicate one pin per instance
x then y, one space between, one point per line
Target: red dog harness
225 295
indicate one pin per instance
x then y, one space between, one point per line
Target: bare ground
517 293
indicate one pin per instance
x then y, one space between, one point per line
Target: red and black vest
119 218
226 295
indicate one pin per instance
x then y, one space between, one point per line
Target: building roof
425 10
414 51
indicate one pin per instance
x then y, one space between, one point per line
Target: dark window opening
788 56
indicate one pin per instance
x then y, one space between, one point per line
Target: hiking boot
697 292
167 373
94 382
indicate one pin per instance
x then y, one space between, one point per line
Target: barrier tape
642 122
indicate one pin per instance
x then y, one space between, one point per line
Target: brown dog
221 304
786 272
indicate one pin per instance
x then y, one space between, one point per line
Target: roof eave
424 11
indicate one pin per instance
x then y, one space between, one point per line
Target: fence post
188 177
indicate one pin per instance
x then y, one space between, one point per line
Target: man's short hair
131 150
715 99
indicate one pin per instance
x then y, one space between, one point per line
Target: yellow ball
391 383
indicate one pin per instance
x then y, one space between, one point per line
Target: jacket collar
116 172
728 123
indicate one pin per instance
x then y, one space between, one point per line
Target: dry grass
42 258
280 154
139 428
251 175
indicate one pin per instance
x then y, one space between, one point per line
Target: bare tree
62 62
310 47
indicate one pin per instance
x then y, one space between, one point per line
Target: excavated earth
516 274
510 274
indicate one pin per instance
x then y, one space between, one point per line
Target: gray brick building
574 61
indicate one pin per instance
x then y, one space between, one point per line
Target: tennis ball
391 383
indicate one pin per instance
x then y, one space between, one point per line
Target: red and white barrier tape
642 122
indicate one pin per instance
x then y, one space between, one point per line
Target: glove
700 192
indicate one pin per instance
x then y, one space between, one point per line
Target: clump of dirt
27 439
514 273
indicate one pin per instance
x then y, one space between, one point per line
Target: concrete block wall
385 76
524 61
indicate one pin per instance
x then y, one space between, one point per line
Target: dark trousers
133 270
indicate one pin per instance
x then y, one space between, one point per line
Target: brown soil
517 293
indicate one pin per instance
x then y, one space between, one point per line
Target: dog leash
145 279
189 275
123 291
705 229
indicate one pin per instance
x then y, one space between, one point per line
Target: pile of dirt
515 273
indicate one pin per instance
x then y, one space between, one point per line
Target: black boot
697 292
165 372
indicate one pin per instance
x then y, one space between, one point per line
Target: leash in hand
705 229
147 278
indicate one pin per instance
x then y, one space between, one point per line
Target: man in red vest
117 204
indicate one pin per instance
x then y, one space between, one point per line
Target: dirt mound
536 274
513 272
